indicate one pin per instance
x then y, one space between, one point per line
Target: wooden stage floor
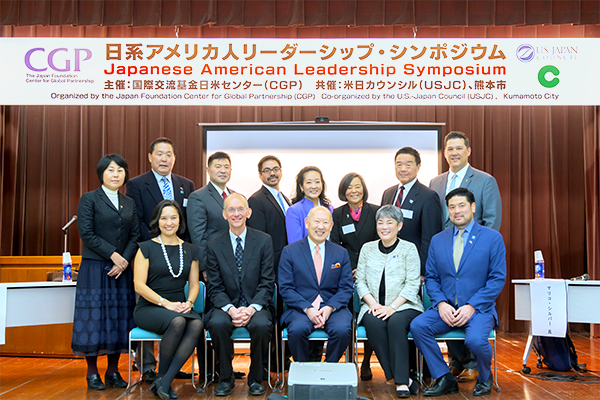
46 378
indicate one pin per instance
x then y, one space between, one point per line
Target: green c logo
542 76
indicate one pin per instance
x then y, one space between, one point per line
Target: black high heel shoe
95 383
160 391
115 380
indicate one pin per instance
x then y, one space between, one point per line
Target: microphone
64 228
584 277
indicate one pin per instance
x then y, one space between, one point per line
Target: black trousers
389 340
459 355
260 327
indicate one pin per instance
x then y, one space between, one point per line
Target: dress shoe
256 389
224 388
365 372
413 387
483 388
443 385
115 380
160 391
172 394
149 376
238 374
402 393
94 382
456 370
183 375
467 375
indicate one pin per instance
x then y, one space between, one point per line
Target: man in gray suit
205 206
461 174
488 213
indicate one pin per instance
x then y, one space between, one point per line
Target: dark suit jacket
104 229
481 273
426 220
488 204
258 278
146 193
366 229
205 218
267 216
298 284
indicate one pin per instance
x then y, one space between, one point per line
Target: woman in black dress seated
163 265
104 299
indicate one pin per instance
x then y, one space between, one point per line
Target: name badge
346 229
185 202
407 213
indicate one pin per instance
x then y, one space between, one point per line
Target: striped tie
166 189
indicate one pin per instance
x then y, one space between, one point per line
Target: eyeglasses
234 210
267 171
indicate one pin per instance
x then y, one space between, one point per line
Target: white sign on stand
549 307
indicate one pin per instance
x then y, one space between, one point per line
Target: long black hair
299 194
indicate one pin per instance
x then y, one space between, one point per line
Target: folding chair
141 335
457 334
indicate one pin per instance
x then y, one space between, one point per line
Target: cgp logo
525 53
56 59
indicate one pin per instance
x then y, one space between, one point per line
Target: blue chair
457 334
242 335
141 335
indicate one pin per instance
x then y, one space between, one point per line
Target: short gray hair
390 211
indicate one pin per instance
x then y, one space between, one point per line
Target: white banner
299 72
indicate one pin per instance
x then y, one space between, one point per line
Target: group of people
171 235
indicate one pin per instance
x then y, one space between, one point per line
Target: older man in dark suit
241 283
315 281
147 190
158 184
420 205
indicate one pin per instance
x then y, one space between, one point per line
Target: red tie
400 197
319 270
224 195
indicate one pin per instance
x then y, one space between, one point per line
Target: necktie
400 197
319 270
224 195
453 185
239 255
281 202
454 182
166 189
458 248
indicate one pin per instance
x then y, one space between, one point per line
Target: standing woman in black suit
105 299
354 224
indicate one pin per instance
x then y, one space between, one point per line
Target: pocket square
336 265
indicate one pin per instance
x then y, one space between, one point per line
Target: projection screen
336 148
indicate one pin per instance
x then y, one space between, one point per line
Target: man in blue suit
488 213
315 281
466 271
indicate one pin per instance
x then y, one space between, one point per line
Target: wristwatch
160 301
395 307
